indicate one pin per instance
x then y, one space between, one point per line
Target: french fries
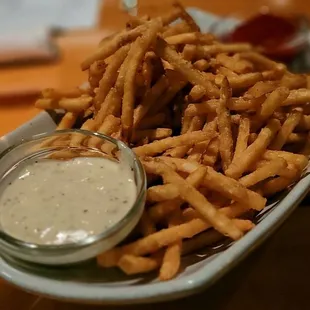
213 124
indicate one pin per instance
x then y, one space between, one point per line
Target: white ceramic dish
89 284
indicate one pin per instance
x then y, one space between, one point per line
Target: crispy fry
160 146
181 27
135 56
271 169
77 138
190 38
201 64
243 137
287 128
196 93
223 115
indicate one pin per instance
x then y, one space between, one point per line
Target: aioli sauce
65 201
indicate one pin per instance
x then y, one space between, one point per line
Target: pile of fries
218 128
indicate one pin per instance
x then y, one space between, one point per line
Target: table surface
273 277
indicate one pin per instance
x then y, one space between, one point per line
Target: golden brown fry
273 101
172 257
160 146
276 185
185 68
96 72
131 264
262 62
243 137
261 88
190 38
109 78
76 104
287 128
162 192
254 151
67 121
224 125
271 169
135 56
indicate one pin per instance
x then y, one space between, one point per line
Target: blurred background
43 42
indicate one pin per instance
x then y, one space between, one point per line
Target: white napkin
25 25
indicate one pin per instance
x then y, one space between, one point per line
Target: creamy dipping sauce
63 201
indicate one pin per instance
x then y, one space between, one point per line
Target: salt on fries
218 128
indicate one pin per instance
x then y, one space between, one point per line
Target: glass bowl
65 144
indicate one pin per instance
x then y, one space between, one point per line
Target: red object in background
278 37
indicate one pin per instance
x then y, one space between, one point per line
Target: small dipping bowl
58 145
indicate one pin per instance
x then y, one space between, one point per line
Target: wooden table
273 277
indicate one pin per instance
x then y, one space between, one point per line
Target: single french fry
226 72
287 128
57 94
135 55
271 169
243 137
206 50
67 121
262 62
96 72
186 17
162 193
131 264
185 68
160 146
273 101
224 125
261 88
190 38
76 104
254 151
172 257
